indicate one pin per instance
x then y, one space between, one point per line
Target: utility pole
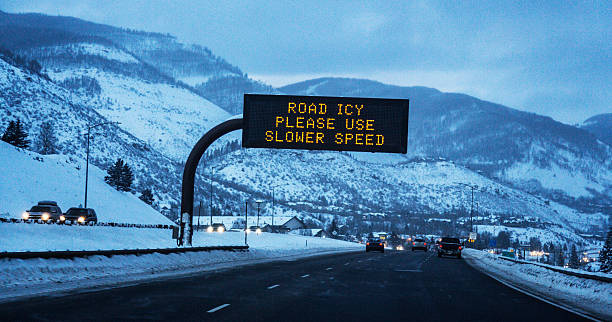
211 196
258 202
199 211
87 158
246 221
273 206
472 211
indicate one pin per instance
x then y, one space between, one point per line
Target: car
375 244
419 243
450 246
216 227
47 211
80 215
254 229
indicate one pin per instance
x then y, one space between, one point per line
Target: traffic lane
369 288
398 287
180 298
394 286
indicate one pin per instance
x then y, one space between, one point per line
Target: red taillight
424 244
460 247
379 244
440 246
367 244
413 243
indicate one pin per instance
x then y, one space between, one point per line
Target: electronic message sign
325 123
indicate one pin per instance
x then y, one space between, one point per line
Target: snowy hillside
28 177
33 100
532 152
170 118
335 183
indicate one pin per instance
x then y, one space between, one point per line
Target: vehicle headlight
81 219
25 215
258 231
221 229
62 218
247 230
45 216
209 229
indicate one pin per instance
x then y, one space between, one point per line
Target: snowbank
22 278
27 177
584 295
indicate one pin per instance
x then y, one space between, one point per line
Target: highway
394 286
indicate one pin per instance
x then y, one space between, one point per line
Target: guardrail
108 253
561 270
73 223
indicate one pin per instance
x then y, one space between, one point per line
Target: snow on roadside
22 278
588 295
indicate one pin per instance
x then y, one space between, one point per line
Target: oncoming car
44 210
216 227
80 215
375 244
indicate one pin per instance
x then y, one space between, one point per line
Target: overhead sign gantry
307 123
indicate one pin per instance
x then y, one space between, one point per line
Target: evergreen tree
503 239
16 135
114 174
560 258
147 196
605 255
127 178
46 141
573 260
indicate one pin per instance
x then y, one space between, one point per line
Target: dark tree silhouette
147 196
46 142
16 135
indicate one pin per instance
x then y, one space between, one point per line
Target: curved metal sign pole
190 170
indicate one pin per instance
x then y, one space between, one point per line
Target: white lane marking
273 286
567 308
218 308
409 270
328 269
305 275
345 264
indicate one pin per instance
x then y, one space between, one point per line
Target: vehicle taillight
413 243
460 247
440 245
424 244
379 244
367 244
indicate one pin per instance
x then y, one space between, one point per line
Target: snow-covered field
584 295
28 177
22 278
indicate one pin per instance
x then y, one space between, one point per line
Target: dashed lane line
273 286
305 275
218 308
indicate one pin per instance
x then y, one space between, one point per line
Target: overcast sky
551 58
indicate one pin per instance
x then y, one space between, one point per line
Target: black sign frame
399 116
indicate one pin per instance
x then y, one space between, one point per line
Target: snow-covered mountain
93 73
62 178
600 126
531 152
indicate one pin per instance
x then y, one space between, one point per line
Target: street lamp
273 202
258 202
87 162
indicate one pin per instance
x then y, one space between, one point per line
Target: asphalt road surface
394 286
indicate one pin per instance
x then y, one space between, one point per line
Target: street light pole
258 202
87 158
211 196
